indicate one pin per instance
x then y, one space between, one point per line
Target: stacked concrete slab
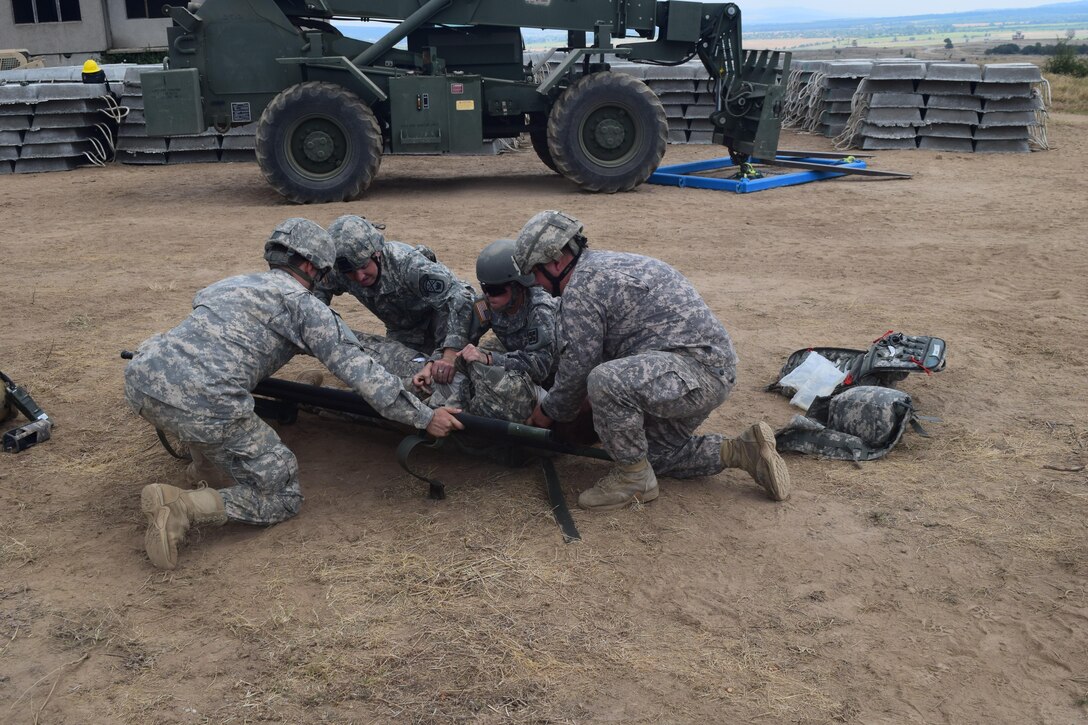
939 106
56 125
888 111
838 85
951 106
1010 109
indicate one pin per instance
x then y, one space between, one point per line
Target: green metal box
685 21
172 102
435 114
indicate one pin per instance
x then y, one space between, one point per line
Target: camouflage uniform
396 357
422 304
523 359
636 337
195 381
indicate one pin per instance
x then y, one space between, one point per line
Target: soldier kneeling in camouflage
636 337
195 381
421 302
505 374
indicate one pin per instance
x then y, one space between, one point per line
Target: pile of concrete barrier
940 106
54 121
50 120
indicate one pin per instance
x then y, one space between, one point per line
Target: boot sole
156 542
645 497
778 487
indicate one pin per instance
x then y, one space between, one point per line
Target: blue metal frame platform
686 174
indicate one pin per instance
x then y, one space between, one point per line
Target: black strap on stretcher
285 392
437 489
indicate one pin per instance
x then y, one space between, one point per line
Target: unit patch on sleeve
429 286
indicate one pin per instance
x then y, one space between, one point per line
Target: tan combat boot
754 451
201 470
623 485
170 512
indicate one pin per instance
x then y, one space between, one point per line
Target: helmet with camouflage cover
495 265
357 242
543 238
301 237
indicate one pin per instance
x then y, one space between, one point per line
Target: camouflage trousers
265 471
482 390
649 406
493 392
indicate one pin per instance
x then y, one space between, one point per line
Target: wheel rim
317 147
609 135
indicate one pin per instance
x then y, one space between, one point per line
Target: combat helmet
495 265
543 238
302 237
357 242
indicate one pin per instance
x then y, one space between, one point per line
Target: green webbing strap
917 426
559 503
437 489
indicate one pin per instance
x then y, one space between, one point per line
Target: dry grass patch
1070 94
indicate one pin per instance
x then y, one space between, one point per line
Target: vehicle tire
539 137
318 142
607 132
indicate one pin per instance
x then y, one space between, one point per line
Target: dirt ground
945 583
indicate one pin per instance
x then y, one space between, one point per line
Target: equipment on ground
864 416
327 106
718 174
40 427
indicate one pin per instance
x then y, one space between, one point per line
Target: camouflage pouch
862 423
888 360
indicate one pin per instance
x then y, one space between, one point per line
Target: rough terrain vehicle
327 106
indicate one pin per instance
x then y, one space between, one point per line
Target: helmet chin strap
556 280
311 280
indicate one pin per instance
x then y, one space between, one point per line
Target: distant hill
1053 14
771 16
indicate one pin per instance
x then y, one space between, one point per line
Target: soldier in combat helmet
639 341
507 375
195 382
421 302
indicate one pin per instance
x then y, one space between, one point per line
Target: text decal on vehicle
457 89
240 113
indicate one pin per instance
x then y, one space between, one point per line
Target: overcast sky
867 8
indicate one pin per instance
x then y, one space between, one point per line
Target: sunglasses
494 290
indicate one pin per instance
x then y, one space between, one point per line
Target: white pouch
816 376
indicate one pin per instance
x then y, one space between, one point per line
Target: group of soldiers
621 337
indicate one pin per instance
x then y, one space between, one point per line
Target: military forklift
328 107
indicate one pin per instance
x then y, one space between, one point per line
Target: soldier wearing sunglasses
507 374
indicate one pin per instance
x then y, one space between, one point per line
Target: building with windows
66 32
